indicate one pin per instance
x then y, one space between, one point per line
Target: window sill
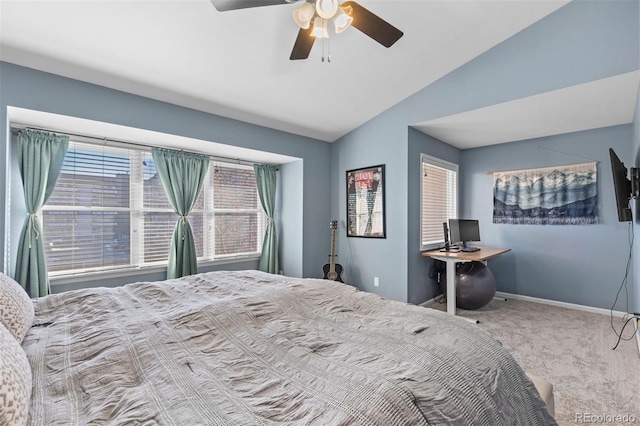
432 247
135 271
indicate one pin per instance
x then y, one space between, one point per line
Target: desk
453 257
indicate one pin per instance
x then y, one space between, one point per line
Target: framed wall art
560 195
365 202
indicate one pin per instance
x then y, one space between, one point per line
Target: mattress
244 348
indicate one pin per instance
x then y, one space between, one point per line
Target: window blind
86 221
438 199
109 210
240 223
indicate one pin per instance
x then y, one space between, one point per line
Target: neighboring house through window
109 211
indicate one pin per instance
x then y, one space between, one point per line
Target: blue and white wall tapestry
562 195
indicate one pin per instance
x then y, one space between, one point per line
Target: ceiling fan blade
224 5
372 25
303 44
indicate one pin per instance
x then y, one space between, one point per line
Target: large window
439 199
109 211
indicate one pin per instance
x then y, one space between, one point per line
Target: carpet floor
572 350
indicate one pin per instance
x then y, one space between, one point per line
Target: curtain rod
533 168
541 148
137 144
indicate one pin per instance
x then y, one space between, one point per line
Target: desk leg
451 291
451 287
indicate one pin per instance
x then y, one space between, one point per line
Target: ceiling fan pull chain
329 50
322 41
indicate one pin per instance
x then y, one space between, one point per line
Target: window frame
210 212
447 165
137 265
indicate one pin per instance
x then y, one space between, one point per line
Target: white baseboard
428 303
567 305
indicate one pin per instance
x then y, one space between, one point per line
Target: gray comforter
249 348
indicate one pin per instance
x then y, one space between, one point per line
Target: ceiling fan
313 18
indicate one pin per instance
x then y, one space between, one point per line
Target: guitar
332 270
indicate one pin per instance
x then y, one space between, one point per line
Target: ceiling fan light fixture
342 20
326 8
303 15
320 28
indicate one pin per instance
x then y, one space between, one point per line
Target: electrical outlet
376 282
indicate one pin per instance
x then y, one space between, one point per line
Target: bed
246 347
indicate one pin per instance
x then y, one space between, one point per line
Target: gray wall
582 41
309 194
581 264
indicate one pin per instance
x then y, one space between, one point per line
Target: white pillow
16 308
15 386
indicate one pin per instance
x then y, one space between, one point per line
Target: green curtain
266 182
182 175
40 158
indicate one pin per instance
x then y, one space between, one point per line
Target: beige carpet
572 350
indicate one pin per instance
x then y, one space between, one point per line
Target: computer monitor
464 230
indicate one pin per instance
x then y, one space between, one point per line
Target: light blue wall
290 237
582 264
580 42
31 89
374 143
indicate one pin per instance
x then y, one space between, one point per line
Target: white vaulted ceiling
601 103
236 63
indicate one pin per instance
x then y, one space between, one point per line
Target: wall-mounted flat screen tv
625 188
